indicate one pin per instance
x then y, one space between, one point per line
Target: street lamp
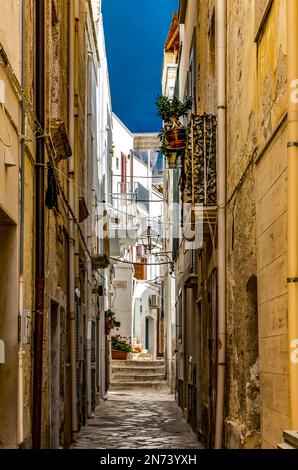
149 239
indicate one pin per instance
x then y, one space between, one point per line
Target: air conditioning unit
154 301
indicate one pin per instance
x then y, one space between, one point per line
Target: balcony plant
110 321
120 347
173 134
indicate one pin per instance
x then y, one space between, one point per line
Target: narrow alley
139 412
137 419
148 225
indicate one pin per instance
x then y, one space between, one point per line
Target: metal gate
192 398
78 357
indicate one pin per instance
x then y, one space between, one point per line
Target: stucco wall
9 219
271 227
256 226
122 299
242 424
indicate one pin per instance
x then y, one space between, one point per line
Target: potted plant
110 321
173 134
120 347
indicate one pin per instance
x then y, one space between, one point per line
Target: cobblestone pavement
137 419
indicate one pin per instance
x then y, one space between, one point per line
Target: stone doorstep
134 370
138 372
140 377
157 384
285 446
143 374
118 363
291 438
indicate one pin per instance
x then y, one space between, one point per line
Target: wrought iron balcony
198 175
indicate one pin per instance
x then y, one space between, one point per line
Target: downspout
292 229
39 228
20 422
221 20
71 245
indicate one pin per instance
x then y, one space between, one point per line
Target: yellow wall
256 213
9 261
271 172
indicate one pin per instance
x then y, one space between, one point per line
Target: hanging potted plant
110 321
173 134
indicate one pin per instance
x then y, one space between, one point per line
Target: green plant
110 320
121 343
170 110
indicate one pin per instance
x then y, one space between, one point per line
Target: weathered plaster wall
256 225
271 171
272 265
206 58
242 425
9 231
10 33
9 334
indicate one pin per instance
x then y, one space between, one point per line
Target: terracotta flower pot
119 355
176 138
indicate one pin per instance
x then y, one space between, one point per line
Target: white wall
142 294
104 146
123 143
105 124
122 298
186 34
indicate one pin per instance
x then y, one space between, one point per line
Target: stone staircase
290 440
137 374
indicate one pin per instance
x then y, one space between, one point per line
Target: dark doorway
55 375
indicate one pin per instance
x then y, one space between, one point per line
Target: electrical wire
135 176
50 149
138 264
39 132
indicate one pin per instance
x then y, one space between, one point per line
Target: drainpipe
292 229
20 422
71 246
39 227
221 206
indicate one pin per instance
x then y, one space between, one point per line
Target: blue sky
135 33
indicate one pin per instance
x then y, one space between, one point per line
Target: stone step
285 446
137 377
138 370
291 438
131 363
138 384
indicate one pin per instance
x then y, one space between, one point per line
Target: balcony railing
198 178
